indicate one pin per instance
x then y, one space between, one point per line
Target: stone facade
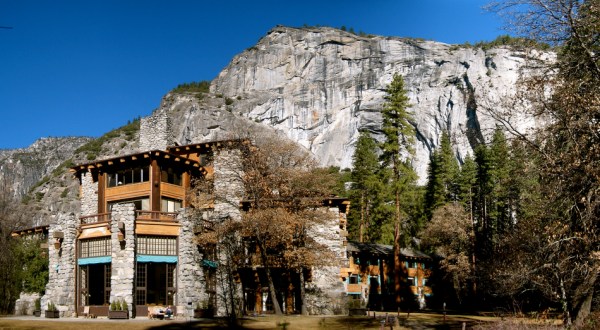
325 294
89 195
190 277
25 305
123 254
228 184
60 289
155 132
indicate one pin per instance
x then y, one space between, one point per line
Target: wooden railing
94 218
156 215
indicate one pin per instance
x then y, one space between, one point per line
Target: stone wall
60 289
155 132
26 303
89 194
123 254
228 191
190 277
325 295
228 184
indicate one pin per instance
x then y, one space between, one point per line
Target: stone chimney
155 132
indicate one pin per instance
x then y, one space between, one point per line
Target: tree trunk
362 217
303 309
272 292
584 307
397 262
565 305
289 297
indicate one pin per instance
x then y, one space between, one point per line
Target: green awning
94 260
153 258
210 263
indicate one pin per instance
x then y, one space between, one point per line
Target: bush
192 88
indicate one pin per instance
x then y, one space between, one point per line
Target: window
412 281
140 203
353 279
170 205
171 175
132 175
94 247
157 245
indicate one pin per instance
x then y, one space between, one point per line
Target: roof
205 146
153 154
383 249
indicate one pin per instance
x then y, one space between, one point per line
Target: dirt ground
404 321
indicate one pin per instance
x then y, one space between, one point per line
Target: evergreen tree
443 173
397 151
366 187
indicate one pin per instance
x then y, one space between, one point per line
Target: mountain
318 87
20 169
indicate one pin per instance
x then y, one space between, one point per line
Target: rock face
320 86
317 86
20 169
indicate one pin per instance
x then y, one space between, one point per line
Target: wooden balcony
94 218
156 216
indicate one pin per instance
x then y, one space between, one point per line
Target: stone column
89 194
123 254
60 289
155 132
190 277
228 184
325 294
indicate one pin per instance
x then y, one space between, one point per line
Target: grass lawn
414 321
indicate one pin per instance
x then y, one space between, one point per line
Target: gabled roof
382 249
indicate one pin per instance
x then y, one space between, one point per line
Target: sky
85 67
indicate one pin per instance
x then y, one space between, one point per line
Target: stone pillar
155 132
89 194
25 305
228 184
60 289
190 277
123 254
325 294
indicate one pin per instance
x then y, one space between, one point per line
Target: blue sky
82 68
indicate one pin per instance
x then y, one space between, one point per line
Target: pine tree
397 151
365 187
443 172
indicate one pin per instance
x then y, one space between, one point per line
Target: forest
513 225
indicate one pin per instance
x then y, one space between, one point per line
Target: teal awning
94 260
209 263
152 258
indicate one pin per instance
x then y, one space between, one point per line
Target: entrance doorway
155 283
95 284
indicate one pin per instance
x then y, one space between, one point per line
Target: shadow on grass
216 323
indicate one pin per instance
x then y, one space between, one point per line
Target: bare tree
560 257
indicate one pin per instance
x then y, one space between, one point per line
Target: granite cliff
318 87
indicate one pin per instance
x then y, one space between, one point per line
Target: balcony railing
156 215
140 215
94 218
